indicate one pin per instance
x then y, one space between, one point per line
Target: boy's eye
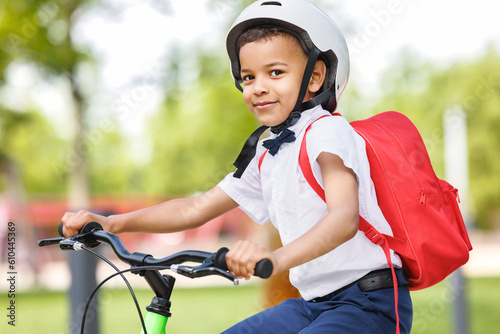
247 77
275 73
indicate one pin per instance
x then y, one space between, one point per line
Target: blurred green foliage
39 31
201 125
199 130
21 148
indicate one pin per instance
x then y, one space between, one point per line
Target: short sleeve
247 192
334 135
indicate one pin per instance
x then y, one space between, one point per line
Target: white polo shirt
279 193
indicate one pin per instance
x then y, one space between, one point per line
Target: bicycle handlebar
92 234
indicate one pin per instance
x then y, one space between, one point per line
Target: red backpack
422 210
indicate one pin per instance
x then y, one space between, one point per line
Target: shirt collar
307 116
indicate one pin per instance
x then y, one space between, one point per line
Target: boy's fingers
73 221
67 229
233 260
239 260
243 258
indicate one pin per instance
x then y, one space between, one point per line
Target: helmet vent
271 3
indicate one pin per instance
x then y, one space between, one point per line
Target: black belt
374 280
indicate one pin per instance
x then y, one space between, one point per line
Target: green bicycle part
155 323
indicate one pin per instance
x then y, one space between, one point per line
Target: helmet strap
320 98
299 105
248 151
311 63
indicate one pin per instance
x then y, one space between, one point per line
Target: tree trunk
82 264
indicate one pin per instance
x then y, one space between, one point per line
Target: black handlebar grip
60 230
89 227
263 268
220 258
85 229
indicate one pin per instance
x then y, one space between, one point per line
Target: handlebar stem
162 285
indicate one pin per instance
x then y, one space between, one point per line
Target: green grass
210 310
433 307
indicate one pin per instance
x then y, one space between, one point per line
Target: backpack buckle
375 236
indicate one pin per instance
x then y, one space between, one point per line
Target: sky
440 30
131 45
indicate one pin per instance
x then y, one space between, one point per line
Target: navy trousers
353 311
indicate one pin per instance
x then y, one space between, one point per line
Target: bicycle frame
155 323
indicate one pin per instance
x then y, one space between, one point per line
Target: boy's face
272 71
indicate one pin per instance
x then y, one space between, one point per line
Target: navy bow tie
273 145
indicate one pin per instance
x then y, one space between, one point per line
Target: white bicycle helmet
312 27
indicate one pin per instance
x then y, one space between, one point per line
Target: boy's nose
260 87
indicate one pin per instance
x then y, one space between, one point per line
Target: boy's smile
272 71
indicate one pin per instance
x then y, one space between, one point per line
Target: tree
39 32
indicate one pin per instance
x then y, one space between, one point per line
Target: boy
292 61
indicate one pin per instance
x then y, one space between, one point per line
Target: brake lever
49 242
202 271
86 239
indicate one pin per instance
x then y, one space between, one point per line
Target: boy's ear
317 77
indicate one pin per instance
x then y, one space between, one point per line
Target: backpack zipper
457 196
422 196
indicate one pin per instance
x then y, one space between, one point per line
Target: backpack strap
305 166
370 232
378 238
261 159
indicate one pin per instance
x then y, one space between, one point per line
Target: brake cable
118 272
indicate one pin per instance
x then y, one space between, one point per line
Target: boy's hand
73 221
243 257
